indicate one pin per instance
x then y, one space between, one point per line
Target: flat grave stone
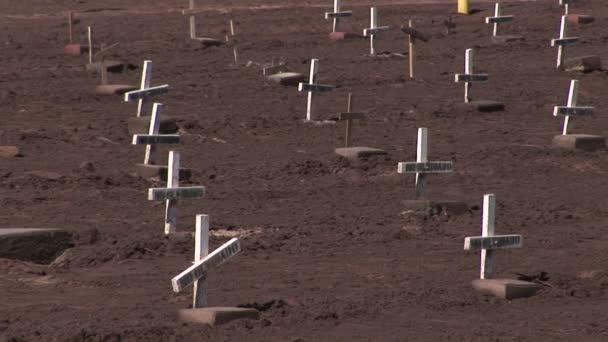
75 49
501 39
579 19
214 316
583 63
37 245
9 152
338 36
584 142
112 66
287 78
356 153
433 208
506 288
483 106
113 89
207 42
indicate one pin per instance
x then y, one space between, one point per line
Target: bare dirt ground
326 241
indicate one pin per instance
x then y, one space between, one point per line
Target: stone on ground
583 142
75 49
114 89
579 19
217 315
355 153
160 171
10 152
432 208
507 39
111 66
484 106
506 288
336 36
287 78
38 245
141 125
583 64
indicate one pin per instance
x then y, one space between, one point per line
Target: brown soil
328 246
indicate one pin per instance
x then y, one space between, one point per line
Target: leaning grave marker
336 15
191 12
196 275
373 30
495 21
487 243
312 87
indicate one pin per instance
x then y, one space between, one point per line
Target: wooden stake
150 158
172 182
572 98
236 56
201 250
90 39
349 121
146 80
411 53
232 28
70 26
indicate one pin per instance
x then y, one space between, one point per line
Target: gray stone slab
337 36
160 172
141 125
507 39
75 49
432 208
579 19
287 78
38 245
110 65
583 142
506 288
583 64
217 315
483 106
356 153
209 41
114 89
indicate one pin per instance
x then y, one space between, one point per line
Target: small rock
10 152
87 166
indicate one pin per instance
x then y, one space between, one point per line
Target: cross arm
330 15
499 19
373 30
564 41
425 167
148 139
572 111
415 33
211 261
471 78
162 194
315 88
492 242
145 93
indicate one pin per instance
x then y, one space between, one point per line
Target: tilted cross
373 29
312 87
571 109
468 77
145 92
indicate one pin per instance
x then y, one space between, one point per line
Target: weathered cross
571 109
312 87
204 262
337 14
488 241
562 41
173 192
422 166
373 29
468 77
153 138
497 19
413 35
145 92
349 116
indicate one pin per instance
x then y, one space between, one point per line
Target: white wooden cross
422 166
173 192
497 19
468 77
312 87
571 109
488 241
373 29
204 262
562 41
145 92
337 14
153 138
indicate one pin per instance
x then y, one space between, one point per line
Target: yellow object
463 6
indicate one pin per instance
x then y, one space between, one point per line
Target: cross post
489 241
312 87
201 250
422 166
373 29
571 109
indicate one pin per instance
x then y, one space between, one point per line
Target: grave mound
37 245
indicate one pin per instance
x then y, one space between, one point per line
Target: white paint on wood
153 130
422 151
90 41
146 81
571 107
144 94
497 19
211 261
373 29
172 182
201 250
